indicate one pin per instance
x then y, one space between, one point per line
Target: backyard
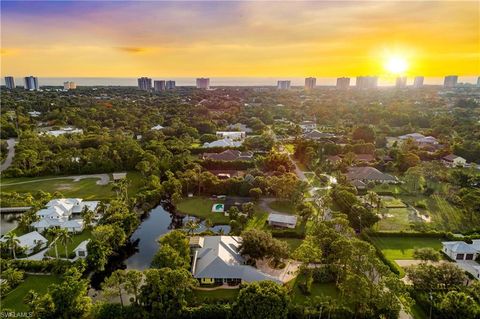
282 206
75 240
39 283
216 295
318 290
87 188
201 207
395 248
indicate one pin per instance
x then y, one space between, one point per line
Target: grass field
14 299
216 295
396 219
259 221
86 189
402 247
293 243
282 206
75 241
202 207
318 289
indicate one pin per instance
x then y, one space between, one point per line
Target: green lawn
293 243
318 289
402 247
86 189
216 295
14 299
282 206
75 241
395 219
202 207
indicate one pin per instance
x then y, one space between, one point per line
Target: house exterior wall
284 225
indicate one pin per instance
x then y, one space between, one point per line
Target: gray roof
219 258
281 218
368 173
460 247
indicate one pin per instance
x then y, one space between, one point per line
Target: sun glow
396 65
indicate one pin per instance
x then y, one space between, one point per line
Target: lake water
157 223
8 222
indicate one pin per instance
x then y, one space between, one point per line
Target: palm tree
372 197
87 216
53 232
64 238
191 226
12 242
208 224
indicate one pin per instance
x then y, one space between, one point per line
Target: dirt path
11 153
103 179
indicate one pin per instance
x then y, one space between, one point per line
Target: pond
8 222
157 223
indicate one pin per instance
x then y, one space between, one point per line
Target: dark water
8 222
143 244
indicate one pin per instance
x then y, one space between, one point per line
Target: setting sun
396 65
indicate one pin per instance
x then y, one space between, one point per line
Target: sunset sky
296 38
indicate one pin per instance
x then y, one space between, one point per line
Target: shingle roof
219 258
460 247
368 173
281 218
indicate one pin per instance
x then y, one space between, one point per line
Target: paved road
10 155
103 179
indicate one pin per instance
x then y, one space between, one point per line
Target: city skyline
239 39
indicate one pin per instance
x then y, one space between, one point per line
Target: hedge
392 265
288 233
207 311
430 234
41 266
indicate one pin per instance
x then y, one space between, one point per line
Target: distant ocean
221 81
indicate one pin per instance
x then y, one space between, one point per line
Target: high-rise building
159 86
418 82
145 83
401 82
343 83
10 82
310 83
69 85
366 82
170 85
31 83
283 85
450 81
203 83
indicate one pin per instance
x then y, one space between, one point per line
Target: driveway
11 153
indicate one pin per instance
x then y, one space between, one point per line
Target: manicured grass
393 203
216 295
318 289
402 247
293 243
202 207
14 299
259 221
282 206
395 219
87 189
75 241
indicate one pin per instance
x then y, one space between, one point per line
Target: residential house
369 174
307 126
229 155
364 158
226 142
334 159
317 135
452 160
239 127
281 220
232 135
157 128
217 260
30 241
81 250
460 250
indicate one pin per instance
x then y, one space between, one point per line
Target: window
81 253
469 257
460 256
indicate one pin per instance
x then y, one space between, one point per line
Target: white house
453 160
157 128
460 250
226 142
81 250
281 220
307 126
232 135
31 240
